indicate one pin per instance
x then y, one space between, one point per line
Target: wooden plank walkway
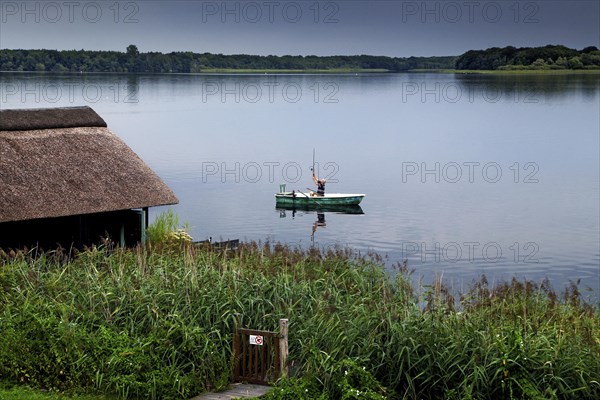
237 391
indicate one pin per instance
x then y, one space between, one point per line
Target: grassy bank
514 72
291 71
157 323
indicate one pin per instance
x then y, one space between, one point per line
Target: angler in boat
320 185
316 199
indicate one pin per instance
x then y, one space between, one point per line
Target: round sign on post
256 340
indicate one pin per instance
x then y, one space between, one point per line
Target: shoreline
223 71
340 71
514 72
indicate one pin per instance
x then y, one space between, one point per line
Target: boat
297 198
327 200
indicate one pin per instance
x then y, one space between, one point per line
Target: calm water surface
464 174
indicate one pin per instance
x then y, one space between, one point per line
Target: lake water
464 174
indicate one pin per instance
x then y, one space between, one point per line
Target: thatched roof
49 118
61 162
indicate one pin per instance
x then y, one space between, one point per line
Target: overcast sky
392 28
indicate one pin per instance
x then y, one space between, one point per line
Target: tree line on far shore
512 58
187 62
506 58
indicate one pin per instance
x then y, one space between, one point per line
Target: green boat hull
302 199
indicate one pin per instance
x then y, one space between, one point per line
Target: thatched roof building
65 162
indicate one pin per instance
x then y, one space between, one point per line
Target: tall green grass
166 231
20 392
157 322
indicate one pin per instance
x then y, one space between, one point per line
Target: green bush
166 230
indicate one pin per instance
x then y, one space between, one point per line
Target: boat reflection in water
310 209
284 212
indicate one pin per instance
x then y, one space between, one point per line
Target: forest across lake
550 57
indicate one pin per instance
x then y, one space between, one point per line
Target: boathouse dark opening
123 228
66 180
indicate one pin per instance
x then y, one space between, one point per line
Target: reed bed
156 322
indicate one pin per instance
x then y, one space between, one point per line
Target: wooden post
122 235
283 346
144 225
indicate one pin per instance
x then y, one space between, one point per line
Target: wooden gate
260 356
